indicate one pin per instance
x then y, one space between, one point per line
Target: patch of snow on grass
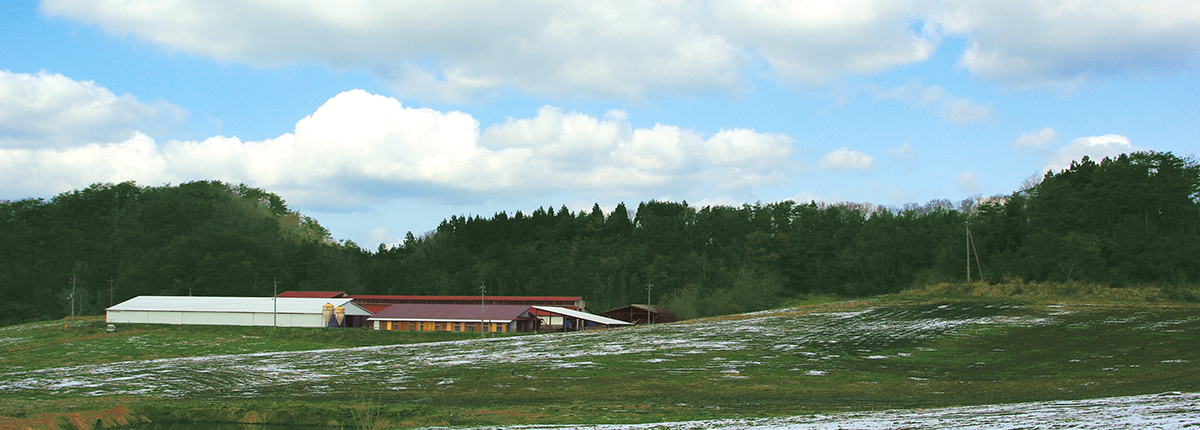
819 337
1158 411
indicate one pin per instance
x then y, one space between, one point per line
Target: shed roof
581 315
451 312
317 294
636 313
467 298
283 305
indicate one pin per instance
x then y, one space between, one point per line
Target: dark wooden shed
642 314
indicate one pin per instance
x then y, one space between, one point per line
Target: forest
1121 222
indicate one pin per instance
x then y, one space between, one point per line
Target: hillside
886 353
1128 222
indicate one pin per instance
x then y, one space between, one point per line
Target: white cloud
382 236
360 147
1094 147
813 42
1038 140
904 152
51 110
845 159
967 182
630 49
962 111
26 172
955 109
1054 42
448 49
806 197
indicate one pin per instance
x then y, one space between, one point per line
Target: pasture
892 353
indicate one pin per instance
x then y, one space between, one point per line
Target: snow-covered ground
728 347
1156 411
822 337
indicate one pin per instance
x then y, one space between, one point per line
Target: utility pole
275 304
648 304
110 291
971 248
978 263
482 288
74 281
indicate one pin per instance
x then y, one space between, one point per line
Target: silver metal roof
283 305
581 315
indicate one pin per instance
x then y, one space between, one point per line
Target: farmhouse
243 311
642 314
456 317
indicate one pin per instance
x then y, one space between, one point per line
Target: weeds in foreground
367 413
1055 291
83 420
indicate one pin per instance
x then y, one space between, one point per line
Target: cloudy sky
383 117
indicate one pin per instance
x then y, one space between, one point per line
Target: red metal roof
461 298
375 309
313 294
430 312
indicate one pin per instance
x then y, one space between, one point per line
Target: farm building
314 294
495 318
642 314
455 317
554 318
243 311
377 303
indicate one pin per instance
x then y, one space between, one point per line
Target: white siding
165 318
242 311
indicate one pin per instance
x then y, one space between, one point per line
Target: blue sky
383 117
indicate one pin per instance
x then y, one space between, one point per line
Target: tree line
1122 221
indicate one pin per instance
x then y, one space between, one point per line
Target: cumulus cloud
358 147
629 49
1094 147
845 159
52 110
448 49
813 42
955 109
1040 139
1040 42
382 236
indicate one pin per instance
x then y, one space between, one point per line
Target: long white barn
244 311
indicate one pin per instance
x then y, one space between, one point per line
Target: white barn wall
237 311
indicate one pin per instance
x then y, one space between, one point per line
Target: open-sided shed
642 314
556 317
243 311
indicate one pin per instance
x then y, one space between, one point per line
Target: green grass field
910 351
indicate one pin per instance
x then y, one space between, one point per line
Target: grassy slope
896 352
53 344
